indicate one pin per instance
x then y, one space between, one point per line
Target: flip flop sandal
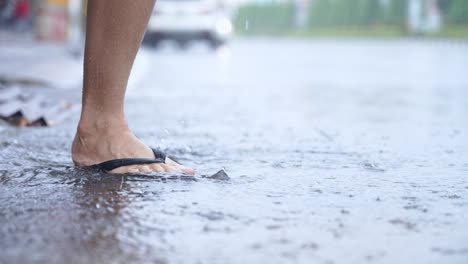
106 166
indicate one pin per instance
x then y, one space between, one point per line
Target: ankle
106 126
93 138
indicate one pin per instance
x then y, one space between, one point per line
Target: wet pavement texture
337 152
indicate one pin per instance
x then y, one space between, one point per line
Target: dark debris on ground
29 103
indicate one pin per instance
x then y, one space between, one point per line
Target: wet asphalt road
337 152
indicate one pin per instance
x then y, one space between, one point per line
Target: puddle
309 173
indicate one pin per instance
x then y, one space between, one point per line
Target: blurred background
63 20
42 38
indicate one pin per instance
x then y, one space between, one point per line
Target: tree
458 12
396 13
320 13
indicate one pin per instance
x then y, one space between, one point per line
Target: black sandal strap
159 154
159 157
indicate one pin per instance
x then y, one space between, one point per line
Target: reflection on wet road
337 152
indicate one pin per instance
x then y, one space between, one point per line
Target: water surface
337 152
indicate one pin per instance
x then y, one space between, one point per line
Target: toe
171 162
126 169
179 167
187 170
145 169
168 168
156 167
131 170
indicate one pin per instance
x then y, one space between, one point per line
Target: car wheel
155 43
151 40
183 44
215 43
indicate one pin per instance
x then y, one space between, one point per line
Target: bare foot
93 146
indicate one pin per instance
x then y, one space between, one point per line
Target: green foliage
444 5
458 12
321 13
264 18
326 16
345 13
368 12
396 12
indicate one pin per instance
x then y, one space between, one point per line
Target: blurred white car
187 20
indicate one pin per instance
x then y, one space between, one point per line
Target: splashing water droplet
188 148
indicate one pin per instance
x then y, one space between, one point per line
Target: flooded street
337 152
